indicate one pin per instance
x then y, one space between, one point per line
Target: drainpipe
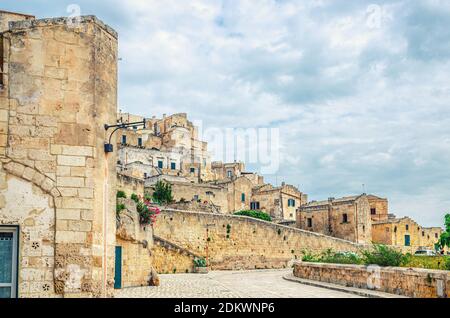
105 227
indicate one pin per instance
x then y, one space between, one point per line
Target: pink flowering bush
147 211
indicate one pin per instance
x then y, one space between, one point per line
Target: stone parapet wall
236 242
418 283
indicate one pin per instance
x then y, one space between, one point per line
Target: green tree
444 240
163 193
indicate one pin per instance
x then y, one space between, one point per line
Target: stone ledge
26 24
410 282
349 290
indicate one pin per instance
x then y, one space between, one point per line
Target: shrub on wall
200 262
256 215
134 197
147 212
121 194
383 255
332 257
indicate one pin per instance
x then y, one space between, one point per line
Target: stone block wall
234 242
418 283
136 263
169 258
57 184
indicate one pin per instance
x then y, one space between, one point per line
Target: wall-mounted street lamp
108 146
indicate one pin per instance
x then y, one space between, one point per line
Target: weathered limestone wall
394 232
136 263
418 283
234 242
60 89
130 185
136 241
6 17
169 258
327 217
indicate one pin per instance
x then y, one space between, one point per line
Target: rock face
128 221
154 278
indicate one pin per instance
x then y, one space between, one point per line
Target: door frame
15 229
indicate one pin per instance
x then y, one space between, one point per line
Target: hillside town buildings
63 231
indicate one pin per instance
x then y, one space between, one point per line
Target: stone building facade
379 208
281 203
346 218
57 185
405 233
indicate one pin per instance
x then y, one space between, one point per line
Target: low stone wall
236 242
169 258
417 283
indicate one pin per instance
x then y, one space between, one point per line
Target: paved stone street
226 284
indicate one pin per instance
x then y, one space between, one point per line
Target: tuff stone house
379 208
280 202
57 185
406 233
346 218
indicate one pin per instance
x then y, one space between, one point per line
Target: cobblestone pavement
226 284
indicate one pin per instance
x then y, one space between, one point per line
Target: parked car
425 253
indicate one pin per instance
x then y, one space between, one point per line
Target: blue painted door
118 268
407 240
8 262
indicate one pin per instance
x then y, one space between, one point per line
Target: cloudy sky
360 90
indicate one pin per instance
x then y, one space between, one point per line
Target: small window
124 139
243 197
423 233
254 206
196 198
345 218
192 170
140 142
173 166
230 174
160 164
145 175
373 211
436 235
291 203
395 229
407 227
310 222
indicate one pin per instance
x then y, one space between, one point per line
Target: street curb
349 290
